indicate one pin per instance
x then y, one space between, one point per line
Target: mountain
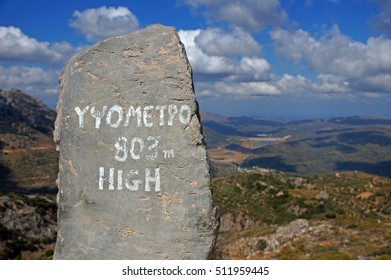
18 107
310 146
28 160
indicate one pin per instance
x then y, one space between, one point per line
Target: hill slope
278 216
27 153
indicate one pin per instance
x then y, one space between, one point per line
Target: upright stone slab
134 177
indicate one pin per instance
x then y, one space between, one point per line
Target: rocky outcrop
27 226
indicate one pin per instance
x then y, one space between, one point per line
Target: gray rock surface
134 178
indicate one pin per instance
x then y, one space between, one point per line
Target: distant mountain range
310 146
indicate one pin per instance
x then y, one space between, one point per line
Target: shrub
261 245
331 215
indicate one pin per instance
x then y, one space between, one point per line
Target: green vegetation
347 216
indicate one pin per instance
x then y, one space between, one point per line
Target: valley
300 147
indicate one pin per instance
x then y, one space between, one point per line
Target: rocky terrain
27 226
278 216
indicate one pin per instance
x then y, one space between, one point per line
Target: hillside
278 216
28 227
27 153
302 146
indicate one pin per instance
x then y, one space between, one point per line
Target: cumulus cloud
242 90
225 64
291 84
342 64
235 70
334 53
16 46
220 43
200 61
104 22
251 15
33 80
230 63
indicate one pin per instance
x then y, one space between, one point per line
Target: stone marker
134 177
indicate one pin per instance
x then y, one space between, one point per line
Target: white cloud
289 84
230 63
229 72
209 61
251 15
255 68
345 68
16 46
334 53
247 89
201 62
216 42
331 85
103 22
32 80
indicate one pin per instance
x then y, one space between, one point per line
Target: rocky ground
27 226
303 239
277 216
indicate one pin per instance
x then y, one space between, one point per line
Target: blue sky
266 58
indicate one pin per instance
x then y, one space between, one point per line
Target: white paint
121 146
147 116
137 147
81 113
133 152
134 185
133 113
168 154
161 108
185 119
103 178
142 116
153 147
119 176
98 115
120 113
132 180
172 111
149 179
